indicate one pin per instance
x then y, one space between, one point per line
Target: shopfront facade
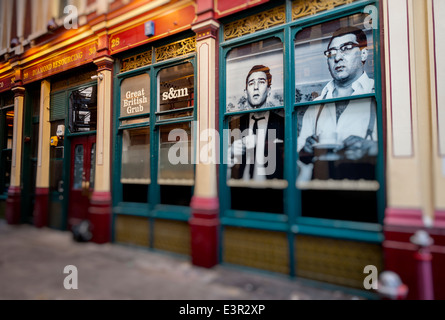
154 142
297 137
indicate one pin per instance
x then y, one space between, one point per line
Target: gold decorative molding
261 21
136 61
176 49
302 8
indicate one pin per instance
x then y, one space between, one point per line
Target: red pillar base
100 217
400 253
41 207
204 225
424 274
13 205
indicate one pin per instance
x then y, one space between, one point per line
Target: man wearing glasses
347 127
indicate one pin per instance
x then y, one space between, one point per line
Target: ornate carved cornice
18 91
303 8
261 21
176 49
136 61
104 63
206 29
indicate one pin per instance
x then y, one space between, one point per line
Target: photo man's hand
357 147
309 145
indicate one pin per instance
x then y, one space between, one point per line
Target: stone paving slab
32 262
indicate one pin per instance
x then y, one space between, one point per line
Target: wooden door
83 159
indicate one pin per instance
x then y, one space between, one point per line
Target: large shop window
303 119
176 101
176 87
135 174
157 135
255 117
337 142
135 161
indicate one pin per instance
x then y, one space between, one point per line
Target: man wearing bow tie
259 152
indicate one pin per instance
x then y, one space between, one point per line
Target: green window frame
155 121
293 220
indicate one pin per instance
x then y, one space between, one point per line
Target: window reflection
176 90
83 109
92 165
135 169
136 156
78 167
175 155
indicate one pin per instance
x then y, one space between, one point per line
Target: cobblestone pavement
32 262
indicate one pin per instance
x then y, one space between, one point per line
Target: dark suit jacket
276 122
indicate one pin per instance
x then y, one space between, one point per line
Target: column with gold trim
100 203
43 159
204 222
411 147
13 207
436 9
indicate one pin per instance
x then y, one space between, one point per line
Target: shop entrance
82 171
31 121
73 105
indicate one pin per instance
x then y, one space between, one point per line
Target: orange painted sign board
170 23
224 7
62 62
6 83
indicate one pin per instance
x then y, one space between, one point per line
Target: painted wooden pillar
100 203
415 179
43 158
204 222
13 208
436 10
404 199
436 27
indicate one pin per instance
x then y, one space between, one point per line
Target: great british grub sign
135 95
